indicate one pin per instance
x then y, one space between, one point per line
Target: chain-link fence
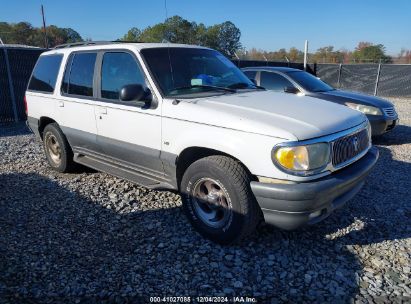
254 63
390 80
16 65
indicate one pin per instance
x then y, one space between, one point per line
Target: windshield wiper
244 85
205 86
322 90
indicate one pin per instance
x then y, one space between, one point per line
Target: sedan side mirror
136 92
292 90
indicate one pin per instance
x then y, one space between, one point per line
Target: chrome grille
389 112
348 147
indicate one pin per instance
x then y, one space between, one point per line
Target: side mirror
135 92
292 90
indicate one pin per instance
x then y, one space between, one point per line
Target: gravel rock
89 237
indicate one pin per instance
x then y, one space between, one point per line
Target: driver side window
119 69
274 81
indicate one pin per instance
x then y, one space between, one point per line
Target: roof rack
87 43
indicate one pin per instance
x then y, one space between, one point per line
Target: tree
71 35
133 35
228 38
224 37
25 33
179 30
294 54
327 54
368 52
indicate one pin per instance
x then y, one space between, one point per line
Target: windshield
310 82
185 72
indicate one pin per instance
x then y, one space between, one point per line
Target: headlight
368 110
302 159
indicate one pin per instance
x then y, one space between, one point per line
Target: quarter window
274 81
78 77
118 69
45 73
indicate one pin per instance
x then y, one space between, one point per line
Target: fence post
377 80
12 96
339 75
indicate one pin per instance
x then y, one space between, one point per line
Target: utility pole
46 42
305 55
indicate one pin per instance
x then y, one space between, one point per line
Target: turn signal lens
302 158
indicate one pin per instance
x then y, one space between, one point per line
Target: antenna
168 44
167 34
46 42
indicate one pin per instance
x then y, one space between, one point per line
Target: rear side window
274 81
118 69
45 73
78 77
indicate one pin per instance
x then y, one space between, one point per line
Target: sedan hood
345 96
268 113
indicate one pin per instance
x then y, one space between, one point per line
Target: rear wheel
58 152
218 200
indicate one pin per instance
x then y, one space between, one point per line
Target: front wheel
218 200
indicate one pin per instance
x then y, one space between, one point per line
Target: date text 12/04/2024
203 299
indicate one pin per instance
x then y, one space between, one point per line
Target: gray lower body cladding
148 167
33 124
290 206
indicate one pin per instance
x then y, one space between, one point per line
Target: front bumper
381 124
290 206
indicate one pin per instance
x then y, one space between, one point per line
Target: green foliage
368 52
328 54
224 37
133 35
25 33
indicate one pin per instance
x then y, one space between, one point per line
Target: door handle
102 110
61 103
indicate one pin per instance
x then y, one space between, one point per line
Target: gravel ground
90 237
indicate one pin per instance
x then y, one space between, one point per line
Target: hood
268 113
345 96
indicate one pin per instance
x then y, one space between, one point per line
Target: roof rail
87 43
83 43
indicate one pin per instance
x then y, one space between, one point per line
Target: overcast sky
268 25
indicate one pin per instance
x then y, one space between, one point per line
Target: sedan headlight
302 160
367 110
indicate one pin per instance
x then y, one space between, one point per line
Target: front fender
253 150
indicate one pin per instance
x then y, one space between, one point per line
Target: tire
57 149
218 200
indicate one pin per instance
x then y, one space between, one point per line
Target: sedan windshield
310 82
185 72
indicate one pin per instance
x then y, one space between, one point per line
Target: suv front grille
348 147
389 112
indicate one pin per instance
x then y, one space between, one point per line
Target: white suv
182 117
